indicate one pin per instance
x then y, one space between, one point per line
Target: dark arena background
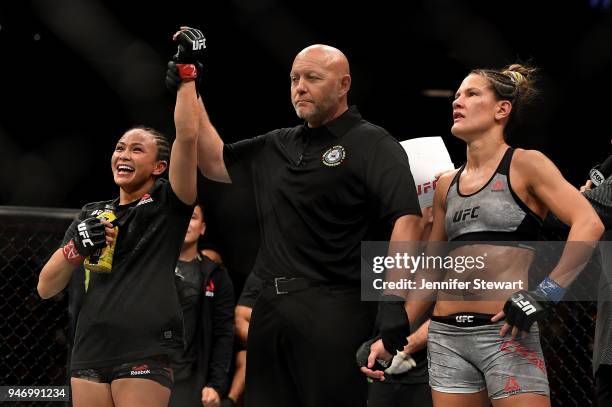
76 74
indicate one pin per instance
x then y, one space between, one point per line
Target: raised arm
182 76
210 149
183 159
188 61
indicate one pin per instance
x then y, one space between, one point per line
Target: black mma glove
90 235
191 46
393 321
364 352
524 308
186 64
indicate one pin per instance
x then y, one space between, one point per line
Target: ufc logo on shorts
83 233
464 318
199 44
524 305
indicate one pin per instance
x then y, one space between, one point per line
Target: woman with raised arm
130 320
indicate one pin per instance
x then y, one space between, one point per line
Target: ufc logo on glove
82 228
525 305
199 44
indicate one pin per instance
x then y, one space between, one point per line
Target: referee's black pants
301 348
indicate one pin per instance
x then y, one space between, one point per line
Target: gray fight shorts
467 355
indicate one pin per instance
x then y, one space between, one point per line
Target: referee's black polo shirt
320 192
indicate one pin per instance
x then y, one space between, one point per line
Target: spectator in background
206 294
246 302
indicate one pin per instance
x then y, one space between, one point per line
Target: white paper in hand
428 156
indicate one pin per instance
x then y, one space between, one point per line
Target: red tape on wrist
71 254
187 71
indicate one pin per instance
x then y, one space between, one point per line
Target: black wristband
394 325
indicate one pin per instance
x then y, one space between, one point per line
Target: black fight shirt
320 192
134 312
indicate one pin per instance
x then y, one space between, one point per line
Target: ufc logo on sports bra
463 214
83 233
199 44
464 318
524 305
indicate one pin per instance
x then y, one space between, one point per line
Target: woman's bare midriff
505 265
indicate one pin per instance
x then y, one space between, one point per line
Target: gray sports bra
493 213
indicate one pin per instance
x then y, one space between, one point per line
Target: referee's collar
340 125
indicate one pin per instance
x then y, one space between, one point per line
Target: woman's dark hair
163 146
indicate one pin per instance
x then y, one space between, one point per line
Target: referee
321 188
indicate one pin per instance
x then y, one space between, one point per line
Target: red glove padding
187 72
174 77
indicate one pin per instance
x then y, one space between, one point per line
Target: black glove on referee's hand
191 46
394 326
524 308
90 236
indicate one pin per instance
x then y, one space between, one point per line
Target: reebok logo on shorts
140 370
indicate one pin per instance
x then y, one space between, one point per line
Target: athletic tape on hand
401 363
